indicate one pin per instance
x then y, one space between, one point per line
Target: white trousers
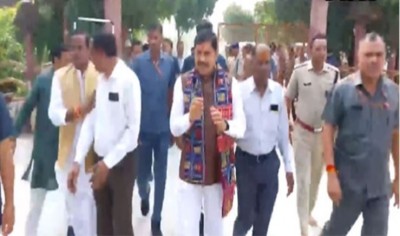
191 199
37 198
77 210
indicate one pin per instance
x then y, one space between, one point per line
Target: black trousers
257 186
114 200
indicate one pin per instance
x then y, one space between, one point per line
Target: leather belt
258 158
308 127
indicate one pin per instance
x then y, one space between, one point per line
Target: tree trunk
124 39
318 18
112 11
29 57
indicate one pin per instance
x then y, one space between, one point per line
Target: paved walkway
284 220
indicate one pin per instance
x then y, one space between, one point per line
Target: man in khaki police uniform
310 83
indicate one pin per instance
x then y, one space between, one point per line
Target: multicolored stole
193 149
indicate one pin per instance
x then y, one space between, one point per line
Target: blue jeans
257 187
159 144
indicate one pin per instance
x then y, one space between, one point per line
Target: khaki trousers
309 165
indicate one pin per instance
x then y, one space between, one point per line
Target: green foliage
340 19
244 29
288 11
88 8
265 13
138 14
190 12
11 51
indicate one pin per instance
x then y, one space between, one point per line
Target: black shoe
70 231
201 224
156 228
144 206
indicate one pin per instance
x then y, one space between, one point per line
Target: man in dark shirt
7 146
188 63
157 73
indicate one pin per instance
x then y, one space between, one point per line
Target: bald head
261 63
371 55
262 52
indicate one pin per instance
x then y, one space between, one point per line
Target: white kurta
192 197
79 207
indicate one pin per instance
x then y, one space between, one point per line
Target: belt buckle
318 130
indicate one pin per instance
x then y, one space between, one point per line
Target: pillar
112 11
318 18
359 33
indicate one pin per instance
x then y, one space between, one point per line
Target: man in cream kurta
71 98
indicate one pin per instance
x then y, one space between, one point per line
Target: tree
140 13
241 27
293 11
265 13
190 12
11 51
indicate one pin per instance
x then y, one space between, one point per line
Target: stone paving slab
284 220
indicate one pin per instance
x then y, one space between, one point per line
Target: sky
215 18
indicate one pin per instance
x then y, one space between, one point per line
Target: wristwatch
227 125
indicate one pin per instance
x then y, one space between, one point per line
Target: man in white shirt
207 113
257 162
71 99
113 126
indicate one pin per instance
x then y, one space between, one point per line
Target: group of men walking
96 115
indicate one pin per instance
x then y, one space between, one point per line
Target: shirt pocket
356 122
305 86
353 131
272 119
114 104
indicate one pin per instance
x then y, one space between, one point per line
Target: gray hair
261 47
372 37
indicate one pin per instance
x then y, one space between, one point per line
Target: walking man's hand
395 189
100 174
334 189
290 183
73 178
8 219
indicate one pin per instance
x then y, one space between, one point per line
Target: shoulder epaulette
334 68
300 65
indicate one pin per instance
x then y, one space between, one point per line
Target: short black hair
207 36
136 42
169 41
204 25
87 37
57 52
316 37
145 47
155 27
105 42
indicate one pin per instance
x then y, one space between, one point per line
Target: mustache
202 64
